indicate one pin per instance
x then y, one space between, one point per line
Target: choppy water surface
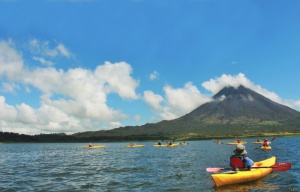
68 167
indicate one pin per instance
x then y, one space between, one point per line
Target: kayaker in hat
239 159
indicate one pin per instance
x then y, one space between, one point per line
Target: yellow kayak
157 145
94 147
265 147
221 179
173 145
235 143
134 146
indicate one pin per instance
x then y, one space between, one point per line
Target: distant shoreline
16 138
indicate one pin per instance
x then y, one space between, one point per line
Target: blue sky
71 66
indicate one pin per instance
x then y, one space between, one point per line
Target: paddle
277 167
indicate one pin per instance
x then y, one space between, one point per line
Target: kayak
257 142
233 177
235 143
184 143
134 146
165 145
157 145
94 147
265 147
173 145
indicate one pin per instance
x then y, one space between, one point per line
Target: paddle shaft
278 167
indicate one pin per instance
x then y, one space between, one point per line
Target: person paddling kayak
240 160
266 143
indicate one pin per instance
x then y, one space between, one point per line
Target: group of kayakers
167 142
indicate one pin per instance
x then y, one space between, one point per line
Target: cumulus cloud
42 60
177 101
43 48
46 54
70 101
116 78
9 87
11 62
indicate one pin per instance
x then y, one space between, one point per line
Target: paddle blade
214 170
282 166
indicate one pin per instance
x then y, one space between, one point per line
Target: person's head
266 139
240 150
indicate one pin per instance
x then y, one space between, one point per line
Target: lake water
68 167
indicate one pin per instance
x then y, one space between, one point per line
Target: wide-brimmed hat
244 152
240 150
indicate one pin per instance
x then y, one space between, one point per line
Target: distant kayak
265 147
94 147
235 143
173 145
134 146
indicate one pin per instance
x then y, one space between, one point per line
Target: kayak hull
135 146
266 148
94 147
221 179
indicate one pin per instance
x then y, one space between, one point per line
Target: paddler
240 159
265 143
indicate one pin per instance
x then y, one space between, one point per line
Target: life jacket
265 143
237 161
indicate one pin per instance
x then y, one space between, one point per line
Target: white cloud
11 63
9 87
153 100
215 85
116 78
43 48
43 61
70 101
7 113
63 50
177 102
183 100
154 75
